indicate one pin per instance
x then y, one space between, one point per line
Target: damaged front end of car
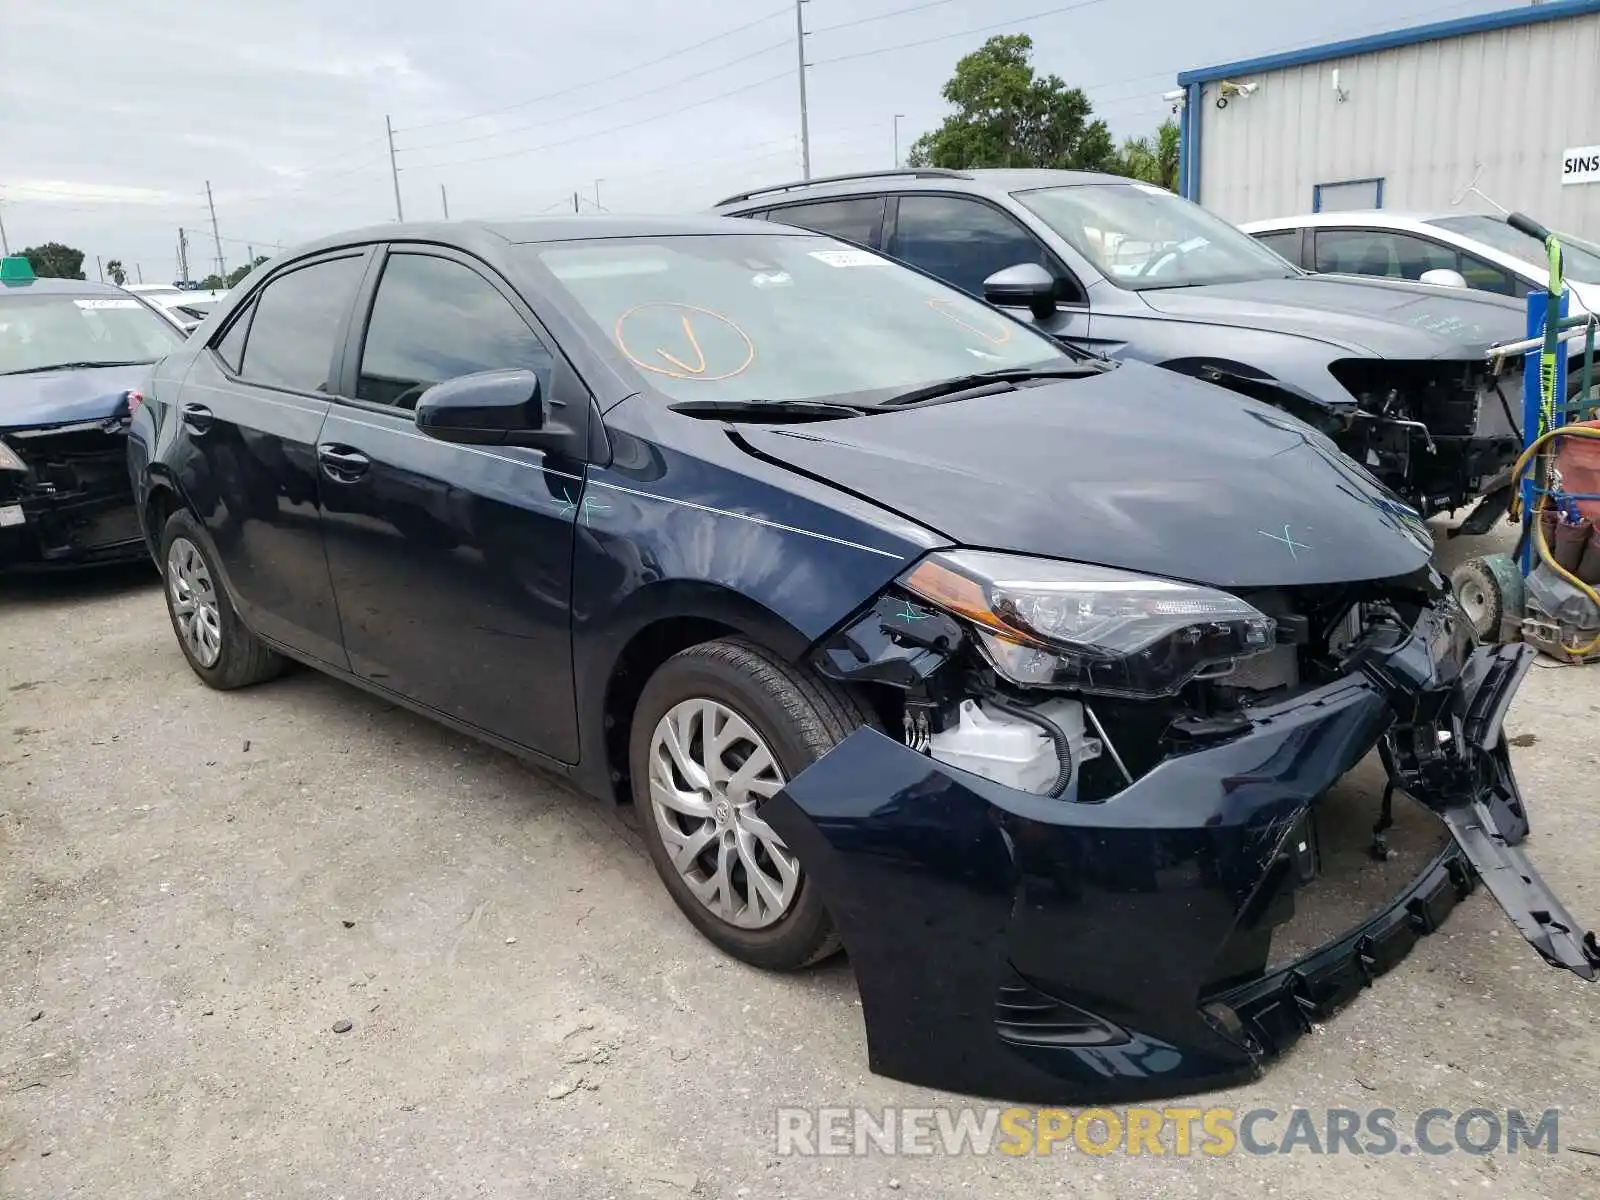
1438 432
65 495
1132 836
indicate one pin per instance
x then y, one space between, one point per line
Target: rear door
251 409
453 564
963 240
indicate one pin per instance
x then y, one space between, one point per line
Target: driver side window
964 241
435 319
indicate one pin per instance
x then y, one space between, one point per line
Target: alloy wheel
709 769
193 597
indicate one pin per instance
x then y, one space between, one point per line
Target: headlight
9 460
1059 624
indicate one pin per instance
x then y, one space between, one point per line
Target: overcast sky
115 113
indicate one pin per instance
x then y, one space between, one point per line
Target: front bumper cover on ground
1039 950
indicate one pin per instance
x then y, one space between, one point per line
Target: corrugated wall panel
1423 117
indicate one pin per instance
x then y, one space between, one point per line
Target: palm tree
118 275
1154 160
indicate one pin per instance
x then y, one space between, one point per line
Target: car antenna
1472 189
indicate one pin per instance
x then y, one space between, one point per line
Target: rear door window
858 220
1380 252
963 241
298 321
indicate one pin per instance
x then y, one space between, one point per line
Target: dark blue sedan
1035 681
72 354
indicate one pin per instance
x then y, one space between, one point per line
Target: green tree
114 269
238 273
1154 160
55 261
1006 116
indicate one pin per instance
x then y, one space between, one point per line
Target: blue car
1065 696
74 357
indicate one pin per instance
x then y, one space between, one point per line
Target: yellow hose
1537 526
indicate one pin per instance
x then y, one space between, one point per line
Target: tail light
134 399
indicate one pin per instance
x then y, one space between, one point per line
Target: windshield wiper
79 366
770 410
988 383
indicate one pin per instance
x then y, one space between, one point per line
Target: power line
492 112
945 37
883 16
602 132
484 137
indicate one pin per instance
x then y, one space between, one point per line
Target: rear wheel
219 648
718 729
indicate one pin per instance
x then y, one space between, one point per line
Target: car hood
61 397
1384 319
1138 468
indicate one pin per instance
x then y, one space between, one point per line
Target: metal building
1508 102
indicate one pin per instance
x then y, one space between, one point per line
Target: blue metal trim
1316 190
1532 14
1191 143
1533 402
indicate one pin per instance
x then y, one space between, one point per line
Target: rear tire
700 730
221 651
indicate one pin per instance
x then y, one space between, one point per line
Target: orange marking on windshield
688 332
679 368
937 303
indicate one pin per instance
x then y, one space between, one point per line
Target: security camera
1175 96
1229 88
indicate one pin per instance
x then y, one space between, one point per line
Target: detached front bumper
1039 950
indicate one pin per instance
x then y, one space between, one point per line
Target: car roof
519 231
991 181
60 287
1365 216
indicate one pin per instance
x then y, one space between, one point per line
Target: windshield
1579 259
56 330
781 317
1143 237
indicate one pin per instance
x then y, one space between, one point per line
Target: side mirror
1444 277
489 408
1026 285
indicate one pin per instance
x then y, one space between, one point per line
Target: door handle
342 463
197 417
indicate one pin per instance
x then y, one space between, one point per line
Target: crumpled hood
61 397
1138 468
1389 319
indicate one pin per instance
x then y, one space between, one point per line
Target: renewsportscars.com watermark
807 1132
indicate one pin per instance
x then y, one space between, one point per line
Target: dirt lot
194 889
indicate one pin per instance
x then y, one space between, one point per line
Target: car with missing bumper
1116 725
1394 372
73 356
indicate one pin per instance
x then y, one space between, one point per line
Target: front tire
221 651
719 728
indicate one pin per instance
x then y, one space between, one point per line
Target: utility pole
183 255
251 251
897 118
101 271
5 244
574 201
597 193
444 199
394 171
222 267
800 52
138 269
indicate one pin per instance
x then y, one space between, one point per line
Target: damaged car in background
1116 725
1393 372
73 356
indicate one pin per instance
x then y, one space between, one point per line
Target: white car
1479 249
188 309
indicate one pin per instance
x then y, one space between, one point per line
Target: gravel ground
197 887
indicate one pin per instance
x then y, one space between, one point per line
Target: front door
452 564
251 410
